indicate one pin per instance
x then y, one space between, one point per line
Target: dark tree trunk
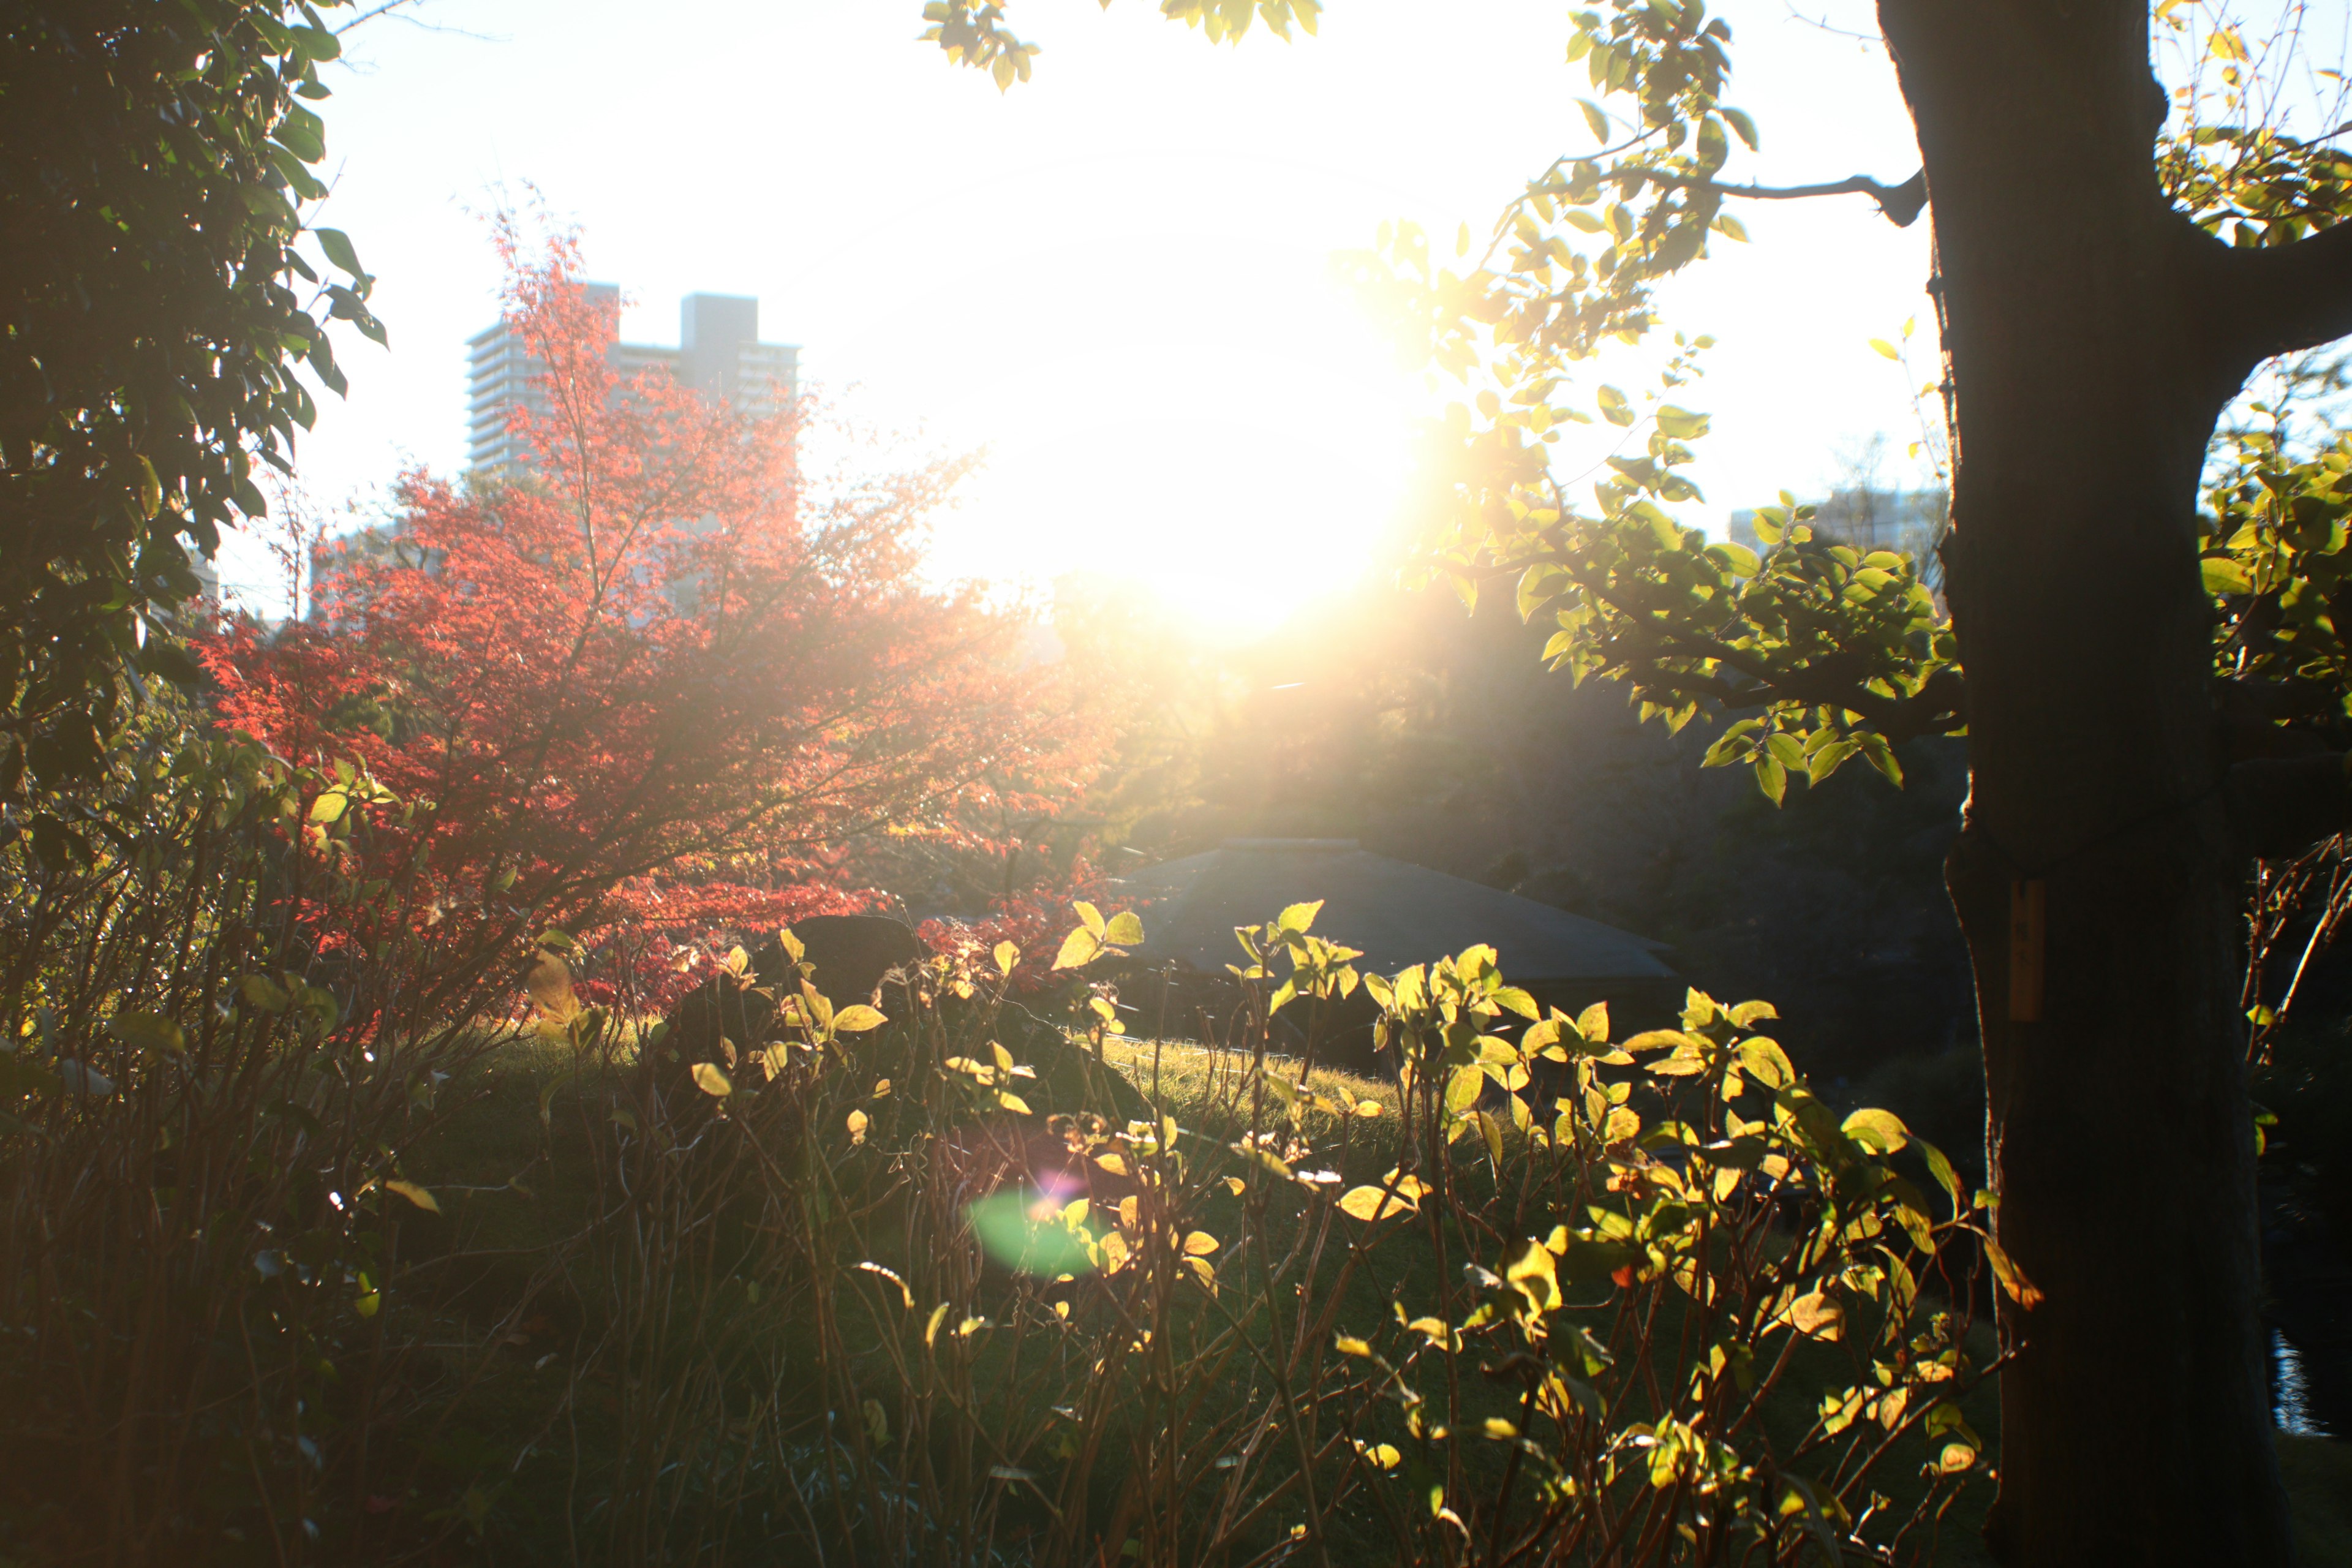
2093 336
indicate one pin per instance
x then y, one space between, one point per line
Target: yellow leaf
549 984
905 1295
1817 1316
1536 1275
881 1089
1236 1185
1091 917
1077 948
1889 349
2013 1278
1013 1103
1880 1131
1368 1109
1593 1022
1125 930
1345 1345
1200 1244
1385 1454
857 1125
931 1329
857 1018
710 1080
1372 1203
1007 956
329 806
414 1194
1956 1458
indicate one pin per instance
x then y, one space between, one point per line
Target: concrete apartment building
718 350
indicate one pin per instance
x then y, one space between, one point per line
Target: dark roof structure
1398 913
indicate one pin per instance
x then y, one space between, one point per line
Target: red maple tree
655 680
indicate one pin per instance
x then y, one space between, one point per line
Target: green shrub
894 1292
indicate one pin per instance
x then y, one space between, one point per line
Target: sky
1116 279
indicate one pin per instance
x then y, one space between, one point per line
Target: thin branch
1901 204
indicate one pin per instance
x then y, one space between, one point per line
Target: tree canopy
155 161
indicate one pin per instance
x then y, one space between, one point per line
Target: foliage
203 1121
974 34
657 654
153 160
885 1290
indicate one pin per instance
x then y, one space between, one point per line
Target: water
2290 1411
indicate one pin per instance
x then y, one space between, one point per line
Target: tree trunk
2089 360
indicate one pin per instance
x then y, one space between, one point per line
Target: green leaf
711 1080
547 1098
1772 779
1125 930
857 1018
1735 558
338 246
2224 576
148 1031
1738 119
1595 119
1880 1131
263 992
1517 1001
1941 1169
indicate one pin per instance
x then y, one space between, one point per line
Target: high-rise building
719 352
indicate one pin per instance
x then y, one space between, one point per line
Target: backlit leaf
1372 1203
414 1194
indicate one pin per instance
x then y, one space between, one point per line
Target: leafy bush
939 1287
213 1056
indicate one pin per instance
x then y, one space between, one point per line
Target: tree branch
1901 204
2292 296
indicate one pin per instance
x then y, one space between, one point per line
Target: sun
1236 480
